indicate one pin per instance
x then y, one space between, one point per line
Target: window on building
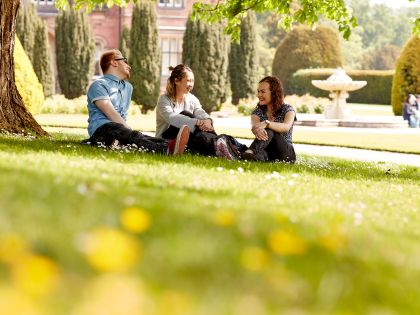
176 4
171 53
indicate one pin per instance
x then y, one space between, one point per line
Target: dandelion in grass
224 217
335 240
35 274
254 258
113 295
135 220
219 168
286 243
15 302
12 248
174 303
110 250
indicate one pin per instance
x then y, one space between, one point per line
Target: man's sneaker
177 146
223 150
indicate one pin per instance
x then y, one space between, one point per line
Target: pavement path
354 154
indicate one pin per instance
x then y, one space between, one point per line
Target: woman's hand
259 131
205 125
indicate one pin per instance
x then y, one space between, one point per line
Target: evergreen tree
407 74
43 61
33 29
124 46
304 48
26 27
205 50
75 52
243 61
145 56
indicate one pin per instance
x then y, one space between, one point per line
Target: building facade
107 24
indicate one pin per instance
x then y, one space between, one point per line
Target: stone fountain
339 84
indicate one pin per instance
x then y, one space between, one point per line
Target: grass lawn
92 231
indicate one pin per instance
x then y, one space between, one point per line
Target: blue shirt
108 87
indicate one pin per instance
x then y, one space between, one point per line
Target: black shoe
248 155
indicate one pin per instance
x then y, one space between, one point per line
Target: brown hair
177 73
277 96
107 57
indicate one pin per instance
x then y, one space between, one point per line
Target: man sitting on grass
108 102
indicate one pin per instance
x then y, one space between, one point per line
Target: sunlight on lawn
94 231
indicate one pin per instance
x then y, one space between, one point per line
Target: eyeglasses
123 59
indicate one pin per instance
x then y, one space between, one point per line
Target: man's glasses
123 59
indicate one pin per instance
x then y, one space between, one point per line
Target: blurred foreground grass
92 231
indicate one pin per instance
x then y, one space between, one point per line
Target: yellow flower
35 274
113 295
334 241
174 303
224 217
254 258
110 250
14 302
12 248
286 243
135 220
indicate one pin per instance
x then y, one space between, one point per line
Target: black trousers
112 131
201 142
275 148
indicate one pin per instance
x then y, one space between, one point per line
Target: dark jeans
112 131
201 142
275 148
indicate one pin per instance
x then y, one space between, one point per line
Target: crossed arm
259 127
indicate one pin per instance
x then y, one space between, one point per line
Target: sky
398 3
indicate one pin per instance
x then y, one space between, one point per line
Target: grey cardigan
166 116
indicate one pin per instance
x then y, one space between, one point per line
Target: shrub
303 104
26 80
377 90
381 58
407 74
303 48
59 104
308 103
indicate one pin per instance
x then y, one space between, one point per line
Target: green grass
55 192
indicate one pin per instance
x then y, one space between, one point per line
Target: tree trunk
14 117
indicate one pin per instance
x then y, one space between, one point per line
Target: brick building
107 24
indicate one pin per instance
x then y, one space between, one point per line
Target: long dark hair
177 73
277 96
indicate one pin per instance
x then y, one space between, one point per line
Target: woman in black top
272 124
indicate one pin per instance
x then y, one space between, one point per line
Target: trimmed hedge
303 48
377 90
407 74
26 80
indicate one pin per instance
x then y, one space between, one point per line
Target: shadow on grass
320 166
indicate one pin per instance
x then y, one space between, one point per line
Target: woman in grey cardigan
179 107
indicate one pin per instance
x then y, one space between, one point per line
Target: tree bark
14 117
